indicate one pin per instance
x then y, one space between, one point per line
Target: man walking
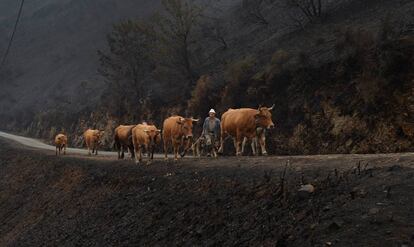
211 131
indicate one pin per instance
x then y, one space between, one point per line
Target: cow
179 132
241 123
61 141
92 140
123 140
259 139
145 136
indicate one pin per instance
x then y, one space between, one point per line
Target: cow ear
179 121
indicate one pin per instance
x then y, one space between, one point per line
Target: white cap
212 111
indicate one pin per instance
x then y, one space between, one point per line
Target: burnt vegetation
89 202
338 87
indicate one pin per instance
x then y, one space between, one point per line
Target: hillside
358 201
341 78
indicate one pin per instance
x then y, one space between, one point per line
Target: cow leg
96 150
221 149
165 149
262 142
238 143
138 157
89 151
235 143
122 152
136 147
131 151
56 150
253 144
243 144
238 148
176 146
152 153
139 153
64 149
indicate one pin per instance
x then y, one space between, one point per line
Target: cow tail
130 135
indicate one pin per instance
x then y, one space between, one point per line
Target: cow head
154 137
263 118
186 127
99 134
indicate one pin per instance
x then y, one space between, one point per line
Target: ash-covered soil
248 201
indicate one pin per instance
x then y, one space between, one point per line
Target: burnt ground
72 201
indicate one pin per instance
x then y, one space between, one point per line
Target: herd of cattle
243 125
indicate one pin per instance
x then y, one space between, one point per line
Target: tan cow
123 140
92 140
179 132
241 123
258 140
61 141
145 136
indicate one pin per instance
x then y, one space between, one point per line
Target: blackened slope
66 201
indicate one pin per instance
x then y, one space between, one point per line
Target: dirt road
352 158
33 143
76 200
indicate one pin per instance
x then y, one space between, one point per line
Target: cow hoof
264 153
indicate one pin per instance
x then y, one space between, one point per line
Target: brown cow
178 131
92 140
123 140
241 123
61 141
145 136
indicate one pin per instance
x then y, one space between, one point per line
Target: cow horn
271 108
194 120
260 106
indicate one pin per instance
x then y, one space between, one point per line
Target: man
211 131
